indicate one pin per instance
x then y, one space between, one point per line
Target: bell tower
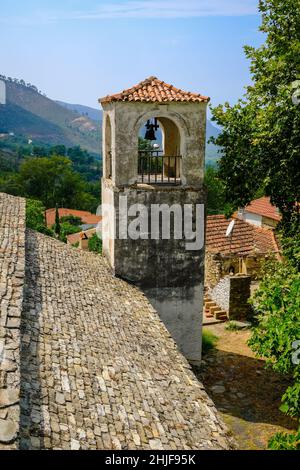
153 201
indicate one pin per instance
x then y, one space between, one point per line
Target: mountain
33 115
92 113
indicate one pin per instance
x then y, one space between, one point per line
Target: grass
232 326
209 341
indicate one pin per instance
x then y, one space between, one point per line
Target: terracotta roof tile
87 217
263 206
154 90
246 239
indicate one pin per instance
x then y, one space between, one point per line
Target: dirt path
245 393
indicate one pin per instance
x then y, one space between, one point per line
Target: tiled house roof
263 207
246 239
87 217
154 90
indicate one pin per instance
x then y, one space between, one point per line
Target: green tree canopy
54 182
260 136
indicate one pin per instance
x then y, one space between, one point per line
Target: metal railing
156 168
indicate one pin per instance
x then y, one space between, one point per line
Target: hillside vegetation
33 115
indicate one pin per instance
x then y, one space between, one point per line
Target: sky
80 50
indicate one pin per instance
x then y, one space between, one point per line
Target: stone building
170 275
240 253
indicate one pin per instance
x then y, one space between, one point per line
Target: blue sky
80 50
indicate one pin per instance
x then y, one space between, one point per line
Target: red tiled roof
87 217
154 90
246 239
263 206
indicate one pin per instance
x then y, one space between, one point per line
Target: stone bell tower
163 188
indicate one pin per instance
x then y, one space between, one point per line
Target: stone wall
232 294
221 293
170 275
218 266
12 272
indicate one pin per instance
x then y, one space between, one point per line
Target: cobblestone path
98 368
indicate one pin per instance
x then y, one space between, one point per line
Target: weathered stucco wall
169 274
126 120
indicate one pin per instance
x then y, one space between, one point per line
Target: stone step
208 315
213 310
210 304
221 315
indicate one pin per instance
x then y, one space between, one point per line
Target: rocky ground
245 393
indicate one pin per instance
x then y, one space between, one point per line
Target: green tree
260 149
277 305
95 244
216 203
35 217
57 227
72 220
53 181
260 138
67 229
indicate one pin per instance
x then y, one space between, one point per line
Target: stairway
213 311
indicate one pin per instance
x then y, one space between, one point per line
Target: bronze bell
151 128
150 134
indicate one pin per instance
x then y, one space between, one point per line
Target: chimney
84 242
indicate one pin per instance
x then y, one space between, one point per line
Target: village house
260 213
241 252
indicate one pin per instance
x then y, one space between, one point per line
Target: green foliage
67 229
52 181
216 203
57 228
260 136
72 220
95 244
232 326
283 441
277 304
209 341
35 217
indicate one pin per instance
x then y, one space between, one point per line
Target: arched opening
159 156
108 148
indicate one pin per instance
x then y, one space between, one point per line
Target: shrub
95 244
209 341
277 304
35 217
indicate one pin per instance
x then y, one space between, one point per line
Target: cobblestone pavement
98 368
12 266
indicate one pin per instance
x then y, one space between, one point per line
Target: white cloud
169 9
140 9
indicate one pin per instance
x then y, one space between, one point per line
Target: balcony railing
156 168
